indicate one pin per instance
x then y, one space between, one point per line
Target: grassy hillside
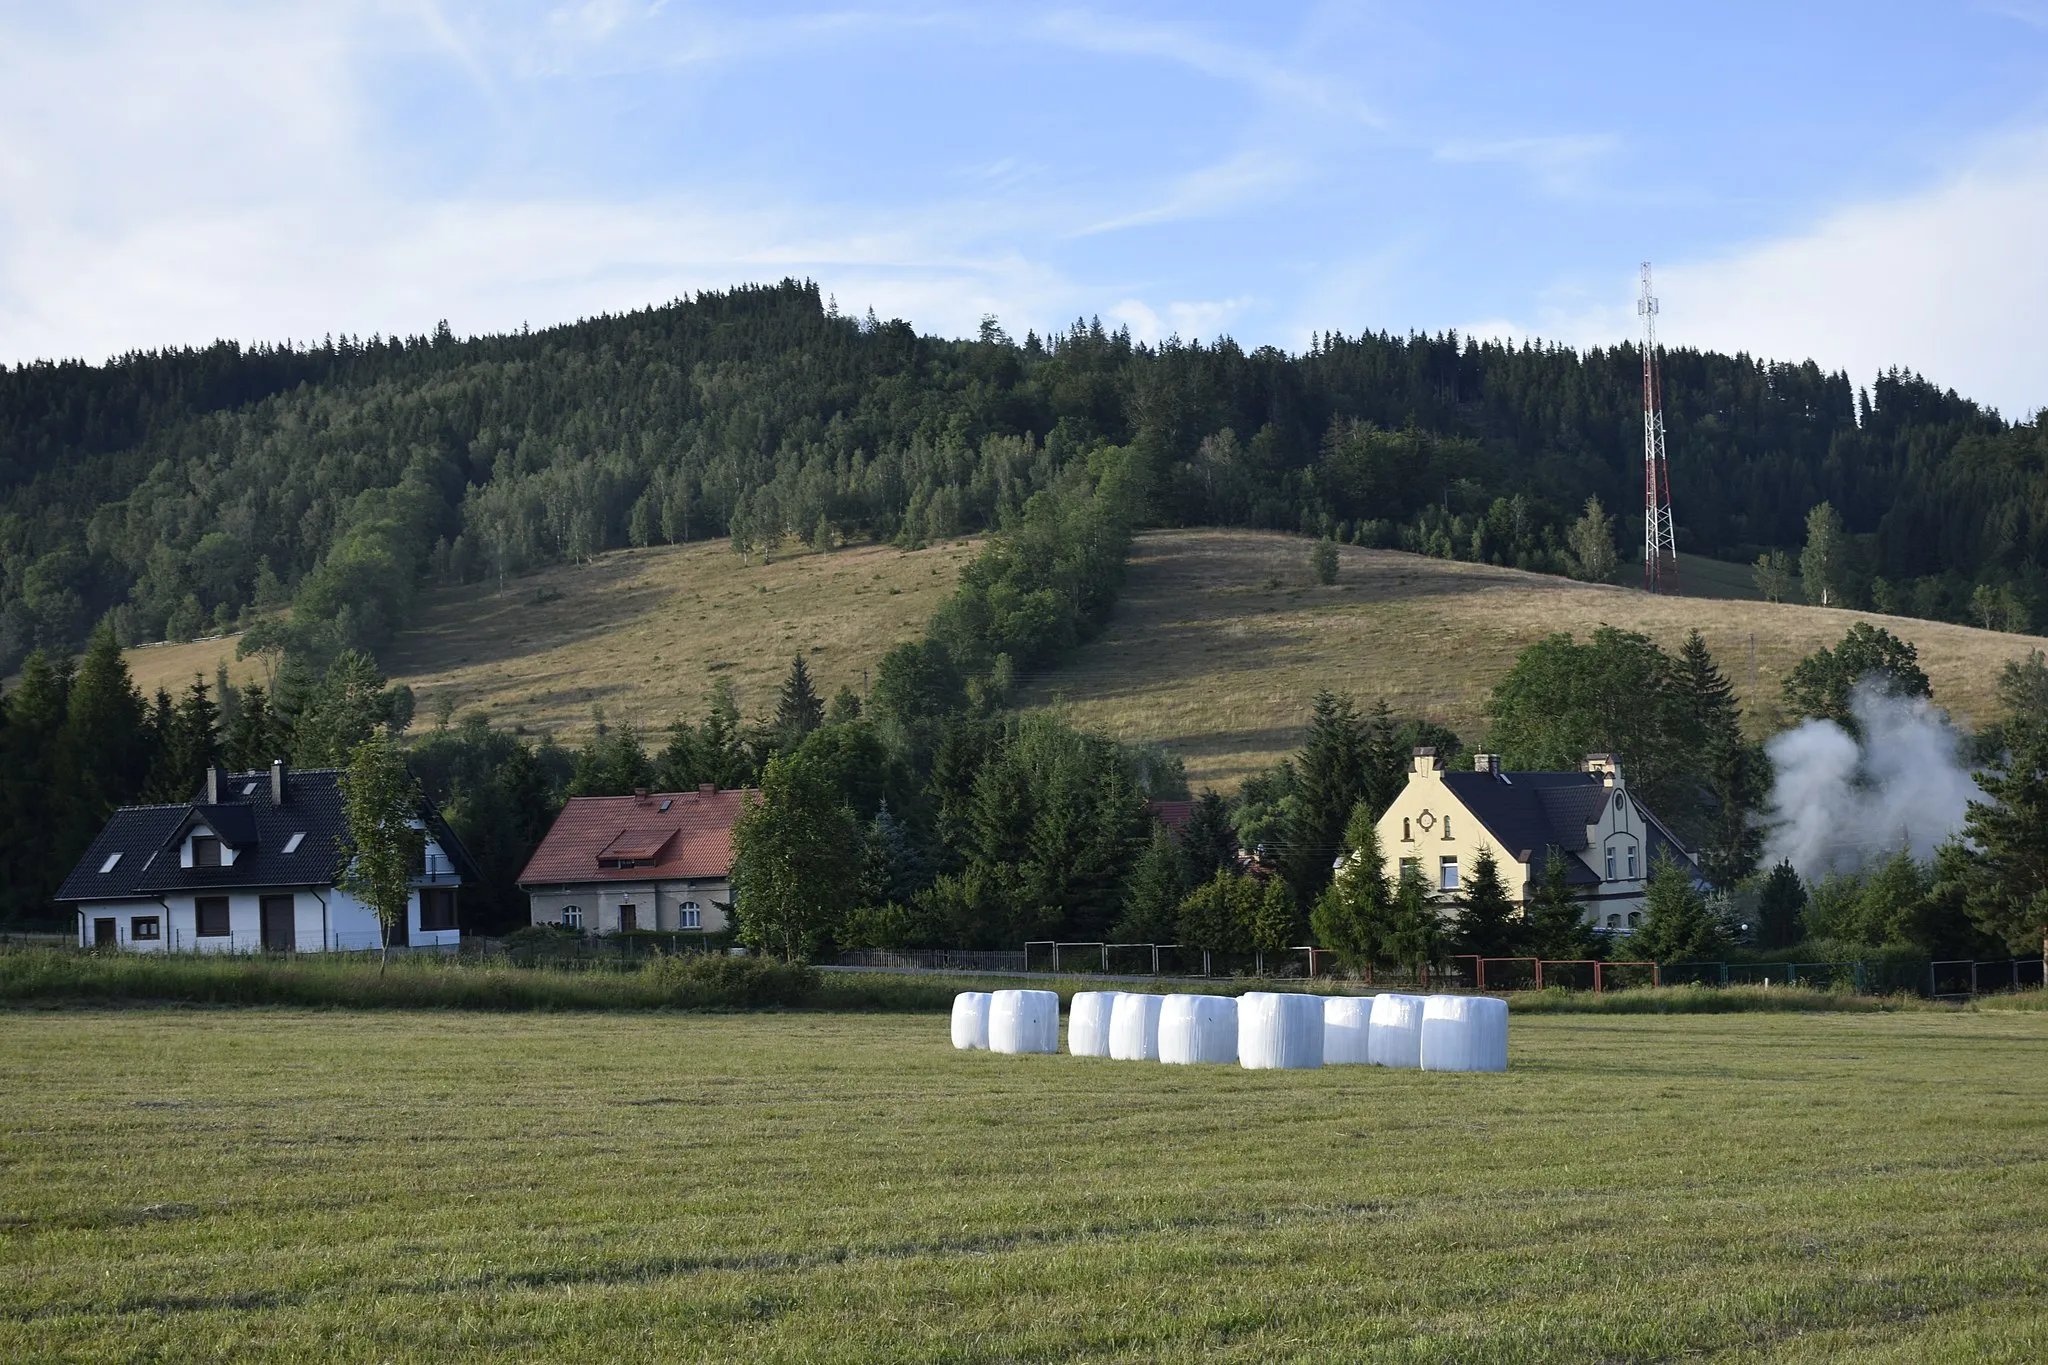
1222 638
1218 645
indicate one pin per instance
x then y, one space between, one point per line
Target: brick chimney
1486 763
213 776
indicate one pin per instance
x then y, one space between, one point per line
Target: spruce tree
1414 934
1734 771
799 711
1780 906
1487 923
1329 779
1677 924
32 780
191 742
1157 887
2006 884
1557 922
1351 916
1213 915
1269 919
105 747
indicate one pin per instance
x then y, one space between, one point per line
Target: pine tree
1557 921
2006 886
1780 904
31 775
1329 779
1735 772
799 711
1269 925
1207 842
1351 916
1157 887
191 742
1677 925
105 746
257 736
1487 923
1414 934
1213 916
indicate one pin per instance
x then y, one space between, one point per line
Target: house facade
652 860
249 866
1609 841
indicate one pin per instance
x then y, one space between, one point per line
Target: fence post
1791 973
1479 970
1931 983
1105 957
1973 978
1596 976
1205 962
1724 973
1656 975
1539 973
1862 978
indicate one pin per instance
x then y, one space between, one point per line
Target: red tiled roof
1172 814
692 838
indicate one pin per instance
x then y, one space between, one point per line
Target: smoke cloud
1838 802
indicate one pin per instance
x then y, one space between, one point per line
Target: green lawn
279 1184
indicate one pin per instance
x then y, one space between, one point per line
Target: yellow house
1441 820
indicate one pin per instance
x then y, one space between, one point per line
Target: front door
280 924
103 935
629 918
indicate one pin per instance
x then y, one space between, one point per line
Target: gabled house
652 860
249 865
1609 841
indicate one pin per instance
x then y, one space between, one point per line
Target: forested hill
171 492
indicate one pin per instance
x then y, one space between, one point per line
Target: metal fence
1955 980
935 960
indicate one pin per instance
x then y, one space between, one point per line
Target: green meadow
407 1185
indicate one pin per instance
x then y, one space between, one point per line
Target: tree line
175 494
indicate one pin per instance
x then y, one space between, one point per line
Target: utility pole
1660 541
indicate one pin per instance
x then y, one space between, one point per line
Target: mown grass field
404 1186
1222 638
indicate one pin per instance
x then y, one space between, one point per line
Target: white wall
327 920
658 903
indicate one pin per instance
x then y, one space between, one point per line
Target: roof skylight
112 859
291 845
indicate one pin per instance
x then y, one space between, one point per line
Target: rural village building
248 865
652 860
1609 842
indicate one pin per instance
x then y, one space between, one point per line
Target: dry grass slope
642 633
1222 638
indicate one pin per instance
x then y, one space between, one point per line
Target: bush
702 981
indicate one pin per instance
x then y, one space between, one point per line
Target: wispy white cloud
1207 191
1560 164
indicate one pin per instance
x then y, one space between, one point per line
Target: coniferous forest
169 495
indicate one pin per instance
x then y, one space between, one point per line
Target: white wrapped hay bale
1347 1024
1279 1031
1024 1021
1198 1028
1134 1027
1464 1033
1395 1037
970 1020
1088 1022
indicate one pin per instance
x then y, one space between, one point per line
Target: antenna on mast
1660 541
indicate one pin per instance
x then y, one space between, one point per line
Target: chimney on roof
1606 767
277 782
1426 761
640 795
706 788
213 775
1486 763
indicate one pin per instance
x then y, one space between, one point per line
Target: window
1614 921
1407 834
1610 864
205 851
145 926
1447 874
1447 827
437 909
1411 865
1631 860
1634 918
212 915
113 861
689 916
291 845
572 917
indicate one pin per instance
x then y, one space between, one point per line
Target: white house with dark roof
1609 841
248 866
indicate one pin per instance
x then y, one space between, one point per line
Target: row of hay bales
1261 1030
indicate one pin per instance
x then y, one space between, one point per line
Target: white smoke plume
1838 803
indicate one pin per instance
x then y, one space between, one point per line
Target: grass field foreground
285 1185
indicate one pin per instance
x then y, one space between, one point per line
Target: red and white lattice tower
1660 543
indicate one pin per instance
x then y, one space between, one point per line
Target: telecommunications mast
1660 543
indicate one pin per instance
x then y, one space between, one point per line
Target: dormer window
113 861
291 845
205 851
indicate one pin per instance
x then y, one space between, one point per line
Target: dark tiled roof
671 834
147 839
1529 812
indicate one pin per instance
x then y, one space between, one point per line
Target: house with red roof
652 860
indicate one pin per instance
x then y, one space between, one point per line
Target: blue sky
1864 184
